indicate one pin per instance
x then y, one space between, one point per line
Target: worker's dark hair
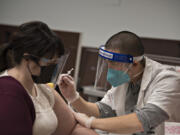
126 42
34 38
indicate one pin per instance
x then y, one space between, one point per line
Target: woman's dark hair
34 38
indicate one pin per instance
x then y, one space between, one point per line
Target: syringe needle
69 72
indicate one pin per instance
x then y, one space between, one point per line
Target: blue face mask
116 77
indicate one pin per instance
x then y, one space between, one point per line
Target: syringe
68 73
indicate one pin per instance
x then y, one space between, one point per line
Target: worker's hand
68 88
83 119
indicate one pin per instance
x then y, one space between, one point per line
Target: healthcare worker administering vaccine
143 96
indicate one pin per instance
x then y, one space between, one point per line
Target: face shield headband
117 57
59 68
114 77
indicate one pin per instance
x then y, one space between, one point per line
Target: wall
97 20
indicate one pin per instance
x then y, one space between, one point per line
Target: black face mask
45 75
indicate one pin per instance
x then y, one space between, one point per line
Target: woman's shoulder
9 85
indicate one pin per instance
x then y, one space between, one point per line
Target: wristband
75 98
89 121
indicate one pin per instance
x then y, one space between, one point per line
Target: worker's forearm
126 124
88 108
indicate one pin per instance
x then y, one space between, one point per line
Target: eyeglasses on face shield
46 61
43 61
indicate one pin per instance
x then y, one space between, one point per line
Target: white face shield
112 69
50 68
59 68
